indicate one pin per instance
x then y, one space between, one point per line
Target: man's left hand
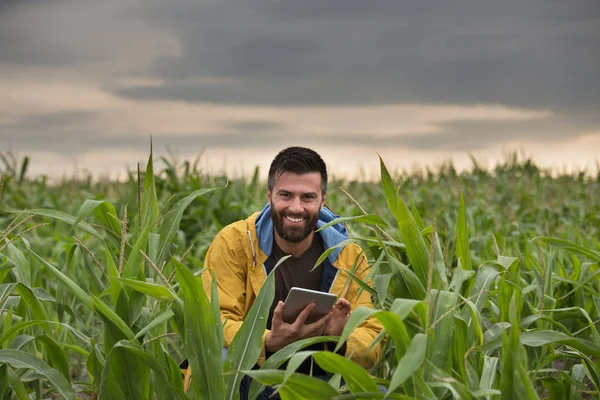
339 315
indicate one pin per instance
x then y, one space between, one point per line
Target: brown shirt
296 272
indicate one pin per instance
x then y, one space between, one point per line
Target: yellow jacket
239 257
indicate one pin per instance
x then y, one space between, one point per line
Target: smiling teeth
294 219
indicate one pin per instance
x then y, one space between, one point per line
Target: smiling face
295 204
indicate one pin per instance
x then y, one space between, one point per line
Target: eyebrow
283 191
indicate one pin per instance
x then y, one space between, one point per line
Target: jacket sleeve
223 260
358 345
227 260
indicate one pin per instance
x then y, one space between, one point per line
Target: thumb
277 314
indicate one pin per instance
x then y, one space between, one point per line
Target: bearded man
245 252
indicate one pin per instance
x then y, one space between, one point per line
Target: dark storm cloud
527 53
540 54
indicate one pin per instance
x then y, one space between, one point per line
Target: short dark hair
299 160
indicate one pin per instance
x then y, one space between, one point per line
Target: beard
294 235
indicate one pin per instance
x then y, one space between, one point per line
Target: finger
344 305
320 324
304 314
277 315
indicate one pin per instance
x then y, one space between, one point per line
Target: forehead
304 183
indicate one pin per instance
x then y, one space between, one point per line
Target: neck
294 249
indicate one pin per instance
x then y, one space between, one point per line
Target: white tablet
297 300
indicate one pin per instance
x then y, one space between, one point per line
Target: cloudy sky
84 84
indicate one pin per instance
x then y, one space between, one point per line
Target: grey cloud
475 135
522 53
539 54
56 132
71 133
525 53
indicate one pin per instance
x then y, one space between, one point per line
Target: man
243 253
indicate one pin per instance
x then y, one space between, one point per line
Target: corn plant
474 331
496 298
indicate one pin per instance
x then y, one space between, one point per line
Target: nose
296 205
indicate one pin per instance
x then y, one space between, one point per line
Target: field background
541 226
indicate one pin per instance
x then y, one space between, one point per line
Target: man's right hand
282 333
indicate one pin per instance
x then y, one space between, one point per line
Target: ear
323 199
269 195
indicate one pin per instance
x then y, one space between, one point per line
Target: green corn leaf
21 359
362 284
382 282
591 323
156 322
462 237
283 355
439 349
488 374
125 375
57 358
5 290
95 363
438 262
35 306
416 215
86 209
108 218
294 363
486 275
172 219
7 333
214 297
460 341
403 307
154 290
411 234
77 291
105 311
358 316
299 385
172 384
459 277
357 379
246 346
23 269
15 383
368 219
410 362
135 260
413 285
540 338
567 245
378 242
63 217
149 207
201 340
378 395
396 328
474 319
330 250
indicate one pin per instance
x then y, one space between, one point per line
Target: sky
84 85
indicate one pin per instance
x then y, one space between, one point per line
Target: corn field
487 284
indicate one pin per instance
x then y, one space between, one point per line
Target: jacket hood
331 236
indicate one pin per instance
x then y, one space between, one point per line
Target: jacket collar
331 236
